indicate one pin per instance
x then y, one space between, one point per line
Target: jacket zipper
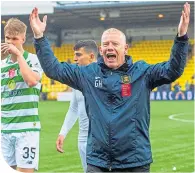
110 166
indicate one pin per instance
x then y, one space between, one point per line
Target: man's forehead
81 49
112 35
77 52
13 35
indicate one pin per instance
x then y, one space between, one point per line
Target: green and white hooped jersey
19 102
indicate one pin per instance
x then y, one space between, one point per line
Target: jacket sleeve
69 74
71 116
167 72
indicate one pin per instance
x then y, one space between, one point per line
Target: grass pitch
172 140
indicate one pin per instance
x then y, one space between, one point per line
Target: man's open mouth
110 56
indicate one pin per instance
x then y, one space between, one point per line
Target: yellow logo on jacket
126 79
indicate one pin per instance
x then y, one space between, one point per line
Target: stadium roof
130 14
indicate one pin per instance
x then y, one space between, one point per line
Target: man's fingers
59 148
4 47
59 145
187 9
61 151
36 12
45 19
4 44
33 14
4 50
183 16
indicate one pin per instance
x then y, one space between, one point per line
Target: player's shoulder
3 63
32 55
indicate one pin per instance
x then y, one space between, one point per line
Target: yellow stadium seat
151 51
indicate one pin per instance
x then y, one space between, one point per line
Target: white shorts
21 149
82 151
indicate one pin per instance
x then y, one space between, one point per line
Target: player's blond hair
14 27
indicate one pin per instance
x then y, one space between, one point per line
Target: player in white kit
85 52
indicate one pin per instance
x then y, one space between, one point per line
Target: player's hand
4 53
37 26
59 143
9 49
184 20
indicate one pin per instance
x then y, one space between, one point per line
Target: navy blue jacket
119 125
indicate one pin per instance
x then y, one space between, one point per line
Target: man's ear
92 57
126 49
100 51
24 39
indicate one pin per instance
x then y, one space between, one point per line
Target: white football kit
77 111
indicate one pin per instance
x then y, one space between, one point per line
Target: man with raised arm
117 95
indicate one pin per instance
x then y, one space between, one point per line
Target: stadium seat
152 51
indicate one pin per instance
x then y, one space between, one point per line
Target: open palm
37 26
184 20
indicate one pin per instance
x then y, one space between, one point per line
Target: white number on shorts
27 154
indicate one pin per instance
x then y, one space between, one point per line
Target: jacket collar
125 67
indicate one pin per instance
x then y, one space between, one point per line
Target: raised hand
184 20
9 49
59 143
37 26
